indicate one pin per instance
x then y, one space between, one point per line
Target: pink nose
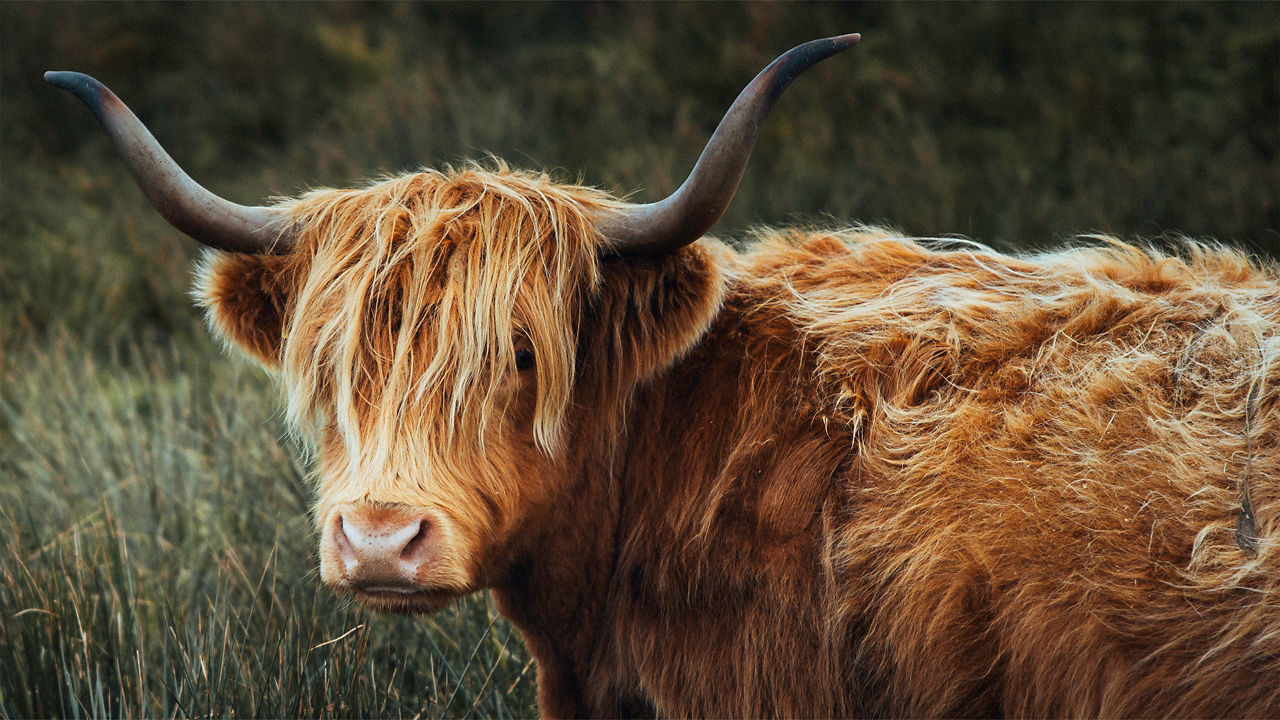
382 550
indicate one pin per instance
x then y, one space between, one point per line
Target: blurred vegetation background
156 557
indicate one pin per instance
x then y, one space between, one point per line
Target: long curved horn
689 212
207 218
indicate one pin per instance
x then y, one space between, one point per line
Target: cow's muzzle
384 553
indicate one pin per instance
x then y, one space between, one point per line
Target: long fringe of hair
416 290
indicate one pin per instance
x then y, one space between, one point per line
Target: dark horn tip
841 42
89 90
814 51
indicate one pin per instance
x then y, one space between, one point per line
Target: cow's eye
524 359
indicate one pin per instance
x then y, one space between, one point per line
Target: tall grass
159 561
156 554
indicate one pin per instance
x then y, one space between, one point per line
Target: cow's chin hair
422 602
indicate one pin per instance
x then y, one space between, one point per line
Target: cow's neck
556 591
713 498
561 588
711 507
729 476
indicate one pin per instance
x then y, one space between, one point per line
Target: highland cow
836 474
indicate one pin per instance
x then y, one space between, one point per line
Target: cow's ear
651 310
246 298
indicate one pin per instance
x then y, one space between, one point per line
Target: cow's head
448 334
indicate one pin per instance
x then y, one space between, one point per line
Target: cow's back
1051 456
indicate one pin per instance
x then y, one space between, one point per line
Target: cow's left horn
209 219
702 199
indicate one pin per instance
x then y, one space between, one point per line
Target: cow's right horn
689 212
189 207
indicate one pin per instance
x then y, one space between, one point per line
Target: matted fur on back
1051 455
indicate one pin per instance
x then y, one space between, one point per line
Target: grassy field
156 554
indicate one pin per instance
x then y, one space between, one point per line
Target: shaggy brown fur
837 475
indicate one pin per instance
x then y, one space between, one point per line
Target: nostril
416 543
345 551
